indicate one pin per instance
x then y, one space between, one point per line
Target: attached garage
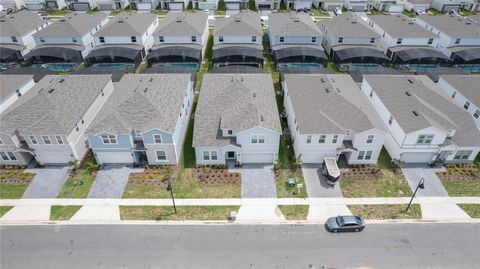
60 158
233 6
315 157
80 6
114 157
257 158
416 157
175 6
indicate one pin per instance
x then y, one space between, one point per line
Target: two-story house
109 5
174 5
37 5
389 6
125 39
298 4
351 43
446 6
68 40
424 124
16 34
144 121
180 41
236 120
205 4
357 5
144 5
12 87
407 44
11 4
458 38
418 5
328 5
328 116
465 92
49 121
295 38
238 40
268 4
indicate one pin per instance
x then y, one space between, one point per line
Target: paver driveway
433 186
258 180
48 181
316 183
110 182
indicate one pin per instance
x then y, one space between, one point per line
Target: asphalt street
423 245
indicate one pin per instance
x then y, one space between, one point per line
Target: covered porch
238 54
56 54
299 54
178 53
358 54
117 53
10 53
466 58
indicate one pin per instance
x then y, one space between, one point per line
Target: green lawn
318 12
183 212
12 191
434 12
409 14
294 212
4 210
386 211
60 12
58 212
462 187
79 186
473 210
477 161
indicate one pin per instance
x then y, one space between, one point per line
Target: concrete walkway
97 213
449 211
316 183
323 212
28 213
433 186
47 183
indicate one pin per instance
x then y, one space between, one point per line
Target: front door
231 155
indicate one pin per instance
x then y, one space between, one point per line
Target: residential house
446 6
180 41
298 4
234 6
357 5
37 5
238 40
70 39
418 5
81 5
351 43
269 4
49 121
458 38
236 120
328 5
11 4
328 116
12 87
109 5
125 39
144 121
465 92
473 5
16 34
424 124
205 4
295 38
144 5
474 18
407 44
174 5
389 6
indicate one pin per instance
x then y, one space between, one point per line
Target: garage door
358 8
175 6
257 158
35 6
233 6
395 9
416 157
114 157
53 158
314 157
81 6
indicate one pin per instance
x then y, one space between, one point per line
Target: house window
102 39
390 120
340 40
161 155
161 39
361 155
59 139
74 40
230 132
430 41
157 138
457 41
466 105
370 139
109 139
282 39
454 94
476 114
309 139
424 139
46 139
220 38
33 140
4 156
42 39
14 39
335 139
347 132
261 139
314 39
462 155
194 38
210 155
206 156
134 39
368 155
213 155
257 139
372 40
321 139
254 38
399 41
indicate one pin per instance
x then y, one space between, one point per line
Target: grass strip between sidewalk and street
380 212
183 212
473 210
59 212
294 212
4 210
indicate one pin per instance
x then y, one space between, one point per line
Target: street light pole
420 185
170 189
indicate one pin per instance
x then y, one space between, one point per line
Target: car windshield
346 221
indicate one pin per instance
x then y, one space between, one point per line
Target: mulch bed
154 175
361 172
214 174
460 172
15 174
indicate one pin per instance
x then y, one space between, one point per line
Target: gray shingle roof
245 23
330 104
10 83
292 24
43 111
234 101
453 25
401 26
142 102
127 24
467 85
73 24
182 24
347 25
19 23
432 106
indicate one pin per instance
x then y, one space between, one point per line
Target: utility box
291 182
232 216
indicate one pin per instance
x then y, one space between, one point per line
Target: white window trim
49 139
373 138
155 140
31 141
309 139
361 155
324 139
109 139
209 155
166 156
61 139
257 138
10 157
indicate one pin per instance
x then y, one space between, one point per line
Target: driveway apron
110 182
48 181
316 183
258 180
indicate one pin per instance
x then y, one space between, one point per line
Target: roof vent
261 117
408 93
322 80
145 90
237 19
150 80
415 113
338 90
120 21
2 20
61 80
62 20
410 80
51 90
327 90
296 19
468 23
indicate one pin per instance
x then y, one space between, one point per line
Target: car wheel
334 230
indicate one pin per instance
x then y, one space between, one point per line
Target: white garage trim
114 157
257 158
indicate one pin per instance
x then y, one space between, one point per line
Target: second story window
194 38
157 138
102 39
314 39
134 39
340 40
282 39
335 139
59 139
230 132
430 41
370 139
399 41
46 139
321 139
33 139
14 39
257 139
372 40
457 41
161 39
476 115
74 40
309 139
424 139
109 139
220 38
42 39
254 38
466 105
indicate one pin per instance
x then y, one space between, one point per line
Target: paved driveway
110 182
433 186
316 183
258 180
48 182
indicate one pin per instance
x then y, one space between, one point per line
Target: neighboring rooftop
330 104
416 103
234 101
347 25
127 24
54 105
20 23
73 24
244 23
292 24
453 25
467 85
182 24
10 83
142 102
400 26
